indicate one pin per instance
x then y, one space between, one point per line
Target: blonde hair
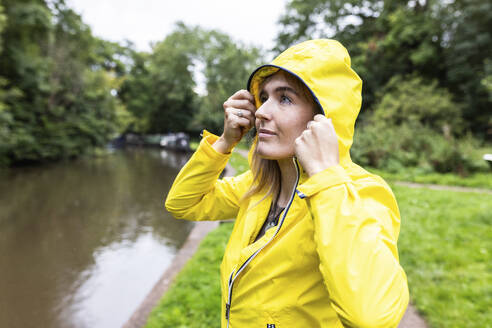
266 172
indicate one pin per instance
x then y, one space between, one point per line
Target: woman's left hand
317 147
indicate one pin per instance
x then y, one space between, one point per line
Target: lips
264 133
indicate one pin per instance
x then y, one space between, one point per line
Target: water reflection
82 243
173 159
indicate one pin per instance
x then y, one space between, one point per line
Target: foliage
161 89
170 68
467 54
3 21
444 247
57 81
412 100
449 42
416 124
135 92
227 68
397 148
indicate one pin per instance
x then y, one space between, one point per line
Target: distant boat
179 141
176 141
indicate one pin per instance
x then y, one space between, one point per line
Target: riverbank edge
201 229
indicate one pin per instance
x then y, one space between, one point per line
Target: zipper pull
228 310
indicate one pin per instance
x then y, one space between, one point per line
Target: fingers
241 104
239 117
320 123
317 146
239 112
243 94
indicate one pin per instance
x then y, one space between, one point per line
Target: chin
272 154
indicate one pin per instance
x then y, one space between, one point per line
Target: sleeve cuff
208 139
332 176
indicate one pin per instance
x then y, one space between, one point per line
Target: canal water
83 242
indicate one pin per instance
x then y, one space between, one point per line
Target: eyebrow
282 89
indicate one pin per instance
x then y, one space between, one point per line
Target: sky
146 21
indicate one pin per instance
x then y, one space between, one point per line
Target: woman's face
282 116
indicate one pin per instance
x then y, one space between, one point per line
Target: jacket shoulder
377 197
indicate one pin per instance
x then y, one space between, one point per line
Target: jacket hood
323 65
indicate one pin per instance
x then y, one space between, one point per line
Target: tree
415 123
160 90
57 81
136 91
467 56
444 41
227 67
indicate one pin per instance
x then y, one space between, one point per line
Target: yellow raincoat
332 260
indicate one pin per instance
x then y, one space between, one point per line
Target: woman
314 241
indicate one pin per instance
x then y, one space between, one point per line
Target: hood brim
264 71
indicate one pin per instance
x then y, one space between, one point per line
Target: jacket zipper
234 273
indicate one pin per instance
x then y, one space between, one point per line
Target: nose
264 111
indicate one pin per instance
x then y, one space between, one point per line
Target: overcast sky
145 21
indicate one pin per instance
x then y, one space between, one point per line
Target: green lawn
243 144
239 163
476 180
445 247
194 299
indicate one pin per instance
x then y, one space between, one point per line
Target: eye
285 100
262 98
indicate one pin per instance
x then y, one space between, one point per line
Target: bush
394 148
410 99
416 124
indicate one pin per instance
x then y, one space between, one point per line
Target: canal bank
83 241
200 230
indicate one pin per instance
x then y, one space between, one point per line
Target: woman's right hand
239 118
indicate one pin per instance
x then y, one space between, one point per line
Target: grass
239 163
194 144
476 180
243 144
193 301
445 248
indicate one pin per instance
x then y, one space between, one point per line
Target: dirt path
412 319
443 187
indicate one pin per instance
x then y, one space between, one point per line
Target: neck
288 175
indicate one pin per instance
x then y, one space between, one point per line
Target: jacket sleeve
197 192
356 233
